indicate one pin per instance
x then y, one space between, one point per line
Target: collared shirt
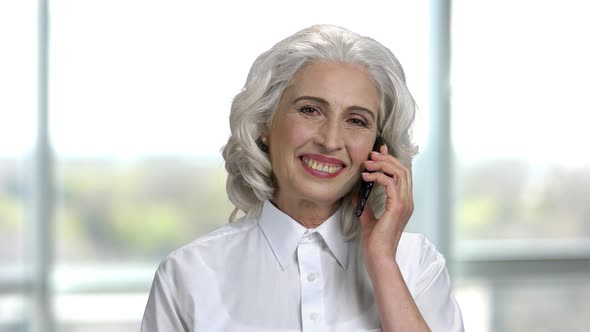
272 274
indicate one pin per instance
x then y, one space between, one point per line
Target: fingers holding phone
394 176
382 233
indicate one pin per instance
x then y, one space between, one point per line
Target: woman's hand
380 236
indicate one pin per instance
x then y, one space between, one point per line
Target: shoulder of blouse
184 257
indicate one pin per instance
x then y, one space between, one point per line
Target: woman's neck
307 213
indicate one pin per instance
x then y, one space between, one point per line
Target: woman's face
322 132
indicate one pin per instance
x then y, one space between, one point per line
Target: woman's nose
330 136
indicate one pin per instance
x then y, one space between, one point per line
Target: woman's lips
322 166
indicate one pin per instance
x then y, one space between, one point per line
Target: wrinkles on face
327 114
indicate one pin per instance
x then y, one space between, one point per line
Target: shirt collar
284 234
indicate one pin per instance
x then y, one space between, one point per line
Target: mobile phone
366 186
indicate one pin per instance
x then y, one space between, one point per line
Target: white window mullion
41 227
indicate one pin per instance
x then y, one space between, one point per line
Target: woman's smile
321 166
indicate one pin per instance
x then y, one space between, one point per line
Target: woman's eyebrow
325 102
316 99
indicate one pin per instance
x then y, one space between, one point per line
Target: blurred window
14 312
139 97
18 108
520 114
522 172
138 103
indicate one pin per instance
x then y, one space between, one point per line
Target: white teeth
321 167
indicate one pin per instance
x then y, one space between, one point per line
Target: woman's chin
325 198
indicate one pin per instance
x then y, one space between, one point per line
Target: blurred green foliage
141 211
510 199
137 211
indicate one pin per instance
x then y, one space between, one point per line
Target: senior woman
302 131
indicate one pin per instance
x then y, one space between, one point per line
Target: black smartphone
366 186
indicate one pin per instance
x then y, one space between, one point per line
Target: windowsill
521 249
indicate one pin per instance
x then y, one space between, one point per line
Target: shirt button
314 316
312 277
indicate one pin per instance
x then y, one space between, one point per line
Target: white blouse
273 274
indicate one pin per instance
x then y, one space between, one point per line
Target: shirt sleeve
163 312
434 299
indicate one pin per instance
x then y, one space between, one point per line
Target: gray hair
249 181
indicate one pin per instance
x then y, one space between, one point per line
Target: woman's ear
262 143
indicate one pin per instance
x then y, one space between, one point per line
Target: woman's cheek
360 151
300 132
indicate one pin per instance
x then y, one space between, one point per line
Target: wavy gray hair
249 180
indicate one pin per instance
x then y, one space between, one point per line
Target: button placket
312 306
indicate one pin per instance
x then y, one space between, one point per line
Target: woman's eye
307 110
358 122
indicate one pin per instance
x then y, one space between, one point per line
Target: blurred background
113 113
